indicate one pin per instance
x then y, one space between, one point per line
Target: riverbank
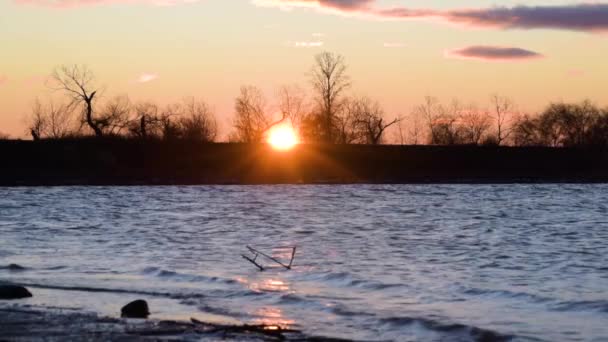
27 320
24 320
136 162
27 323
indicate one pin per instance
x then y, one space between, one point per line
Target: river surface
373 262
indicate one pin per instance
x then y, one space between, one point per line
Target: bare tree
370 122
37 122
503 108
311 127
526 132
563 124
345 123
431 110
293 105
415 130
50 120
115 115
329 80
252 119
169 123
147 122
442 121
77 82
474 124
199 124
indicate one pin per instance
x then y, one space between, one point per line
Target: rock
14 292
135 309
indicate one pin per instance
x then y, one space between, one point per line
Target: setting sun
282 137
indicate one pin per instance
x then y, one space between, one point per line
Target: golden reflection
273 318
269 285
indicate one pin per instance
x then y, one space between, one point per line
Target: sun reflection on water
273 317
270 316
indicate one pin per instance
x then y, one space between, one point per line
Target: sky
397 51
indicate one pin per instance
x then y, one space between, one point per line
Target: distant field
132 162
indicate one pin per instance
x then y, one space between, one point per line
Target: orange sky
164 50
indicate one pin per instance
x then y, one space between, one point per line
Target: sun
282 138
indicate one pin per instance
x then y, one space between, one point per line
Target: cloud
306 44
80 3
342 5
493 53
587 17
3 80
393 45
147 77
576 73
580 17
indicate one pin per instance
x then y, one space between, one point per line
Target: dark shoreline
31 323
129 162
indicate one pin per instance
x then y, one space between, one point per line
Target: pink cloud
147 77
576 72
393 45
3 80
308 44
493 53
586 17
341 5
80 3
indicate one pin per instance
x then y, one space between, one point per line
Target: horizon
304 170
163 51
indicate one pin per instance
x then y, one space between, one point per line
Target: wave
94 289
555 304
452 331
595 305
17 267
509 294
161 273
13 267
345 279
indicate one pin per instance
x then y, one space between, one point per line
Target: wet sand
31 323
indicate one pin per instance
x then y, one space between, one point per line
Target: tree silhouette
115 115
50 120
199 123
473 124
293 105
344 123
329 80
77 82
252 117
503 109
563 125
369 121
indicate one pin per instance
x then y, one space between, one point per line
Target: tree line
501 123
329 113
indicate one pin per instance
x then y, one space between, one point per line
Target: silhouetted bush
564 125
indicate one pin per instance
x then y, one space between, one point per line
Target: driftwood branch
270 331
253 261
256 253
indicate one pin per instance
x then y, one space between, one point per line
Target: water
402 262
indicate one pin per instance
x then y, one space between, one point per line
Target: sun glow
282 138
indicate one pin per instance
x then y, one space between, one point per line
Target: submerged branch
257 253
253 261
